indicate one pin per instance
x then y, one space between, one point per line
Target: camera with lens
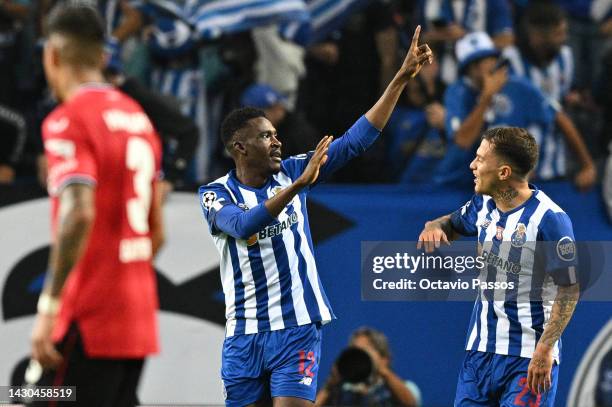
355 366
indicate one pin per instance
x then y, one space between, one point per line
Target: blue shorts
281 363
488 379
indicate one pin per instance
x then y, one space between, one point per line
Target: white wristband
48 305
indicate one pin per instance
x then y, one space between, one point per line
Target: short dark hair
515 146
378 340
83 26
237 120
543 14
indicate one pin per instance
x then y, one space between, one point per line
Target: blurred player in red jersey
96 318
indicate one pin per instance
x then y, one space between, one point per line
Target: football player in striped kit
275 304
513 345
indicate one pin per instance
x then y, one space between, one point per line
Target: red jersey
103 138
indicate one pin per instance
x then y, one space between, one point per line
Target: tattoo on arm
76 216
562 311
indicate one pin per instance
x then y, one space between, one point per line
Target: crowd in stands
315 66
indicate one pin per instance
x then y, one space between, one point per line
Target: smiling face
259 144
486 169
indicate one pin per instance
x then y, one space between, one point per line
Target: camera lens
354 365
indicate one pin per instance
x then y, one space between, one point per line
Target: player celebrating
257 216
96 316
514 342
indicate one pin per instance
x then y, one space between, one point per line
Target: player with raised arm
513 346
257 216
96 318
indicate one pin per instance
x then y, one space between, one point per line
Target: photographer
362 376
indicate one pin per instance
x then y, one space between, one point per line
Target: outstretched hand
318 159
416 57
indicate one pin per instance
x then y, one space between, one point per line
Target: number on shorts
306 370
520 401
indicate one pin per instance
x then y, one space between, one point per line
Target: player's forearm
562 311
469 131
574 139
76 218
380 113
158 236
278 202
398 389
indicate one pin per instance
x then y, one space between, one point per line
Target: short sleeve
69 153
499 18
560 255
213 197
464 219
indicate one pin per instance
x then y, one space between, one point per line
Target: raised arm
240 224
416 57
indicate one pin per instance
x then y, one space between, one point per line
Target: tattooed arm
539 377
76 217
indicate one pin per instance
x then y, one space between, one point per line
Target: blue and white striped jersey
520 104
531 246
554 80
268 270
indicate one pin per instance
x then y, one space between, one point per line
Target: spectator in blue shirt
486 97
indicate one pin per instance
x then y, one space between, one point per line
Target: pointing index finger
415 37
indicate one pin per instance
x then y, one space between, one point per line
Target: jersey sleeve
354 142
557 235
224 216
499 18
463 220
70 155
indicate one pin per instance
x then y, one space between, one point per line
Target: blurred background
315 66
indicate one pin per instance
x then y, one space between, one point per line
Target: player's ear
505 172
238 147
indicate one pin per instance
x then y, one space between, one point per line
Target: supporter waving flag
213 18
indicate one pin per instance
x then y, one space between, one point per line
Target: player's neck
251 178
510 196
76 78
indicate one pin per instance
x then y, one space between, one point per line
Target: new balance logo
306 381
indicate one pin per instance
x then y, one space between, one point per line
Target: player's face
262 146
485 169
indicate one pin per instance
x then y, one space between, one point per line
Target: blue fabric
271 364
518 104
406 126
233 220
490 380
